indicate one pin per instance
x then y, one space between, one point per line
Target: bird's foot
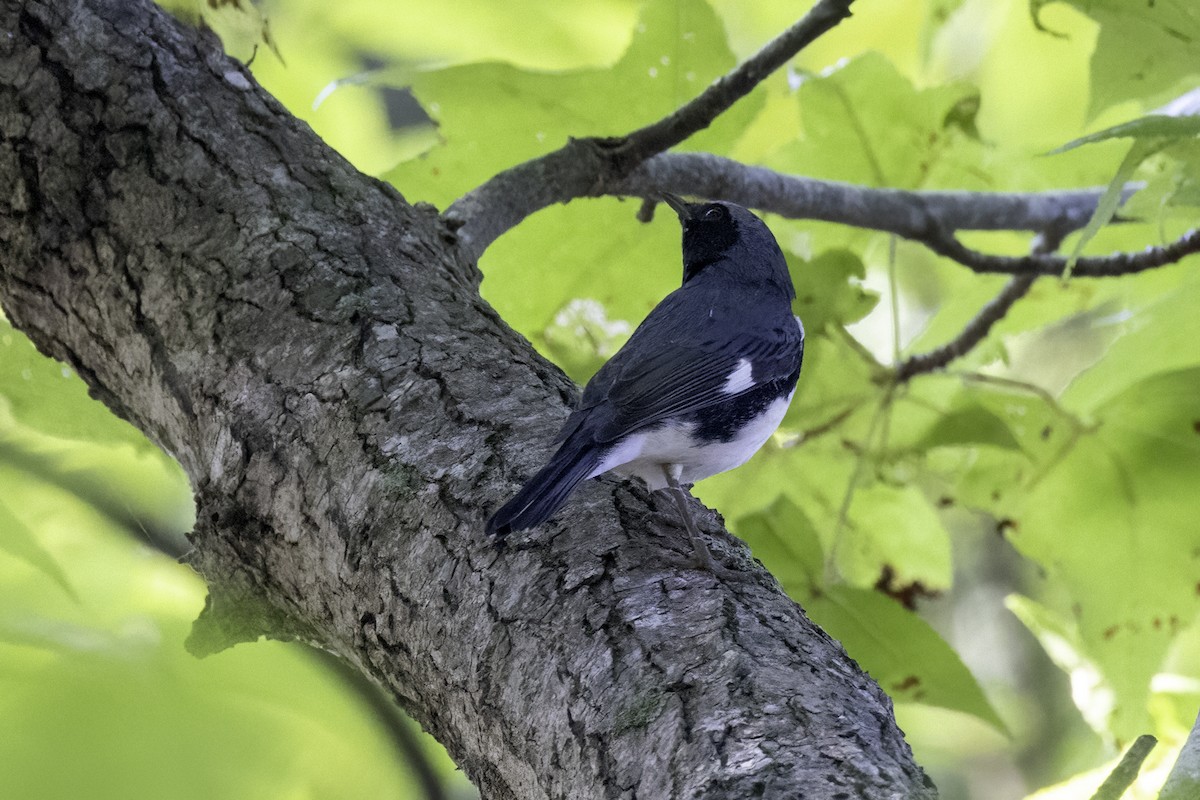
702 559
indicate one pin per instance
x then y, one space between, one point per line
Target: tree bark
315 353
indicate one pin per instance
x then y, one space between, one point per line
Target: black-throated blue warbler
699 387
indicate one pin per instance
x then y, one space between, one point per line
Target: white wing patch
741 379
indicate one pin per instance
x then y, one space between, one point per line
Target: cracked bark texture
315 353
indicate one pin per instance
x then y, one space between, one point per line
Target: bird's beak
684 210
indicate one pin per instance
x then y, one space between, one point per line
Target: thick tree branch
1183 781
909 214
313 351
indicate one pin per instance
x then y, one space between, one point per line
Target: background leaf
19 542
1143 48
1066 432
899 649
1152 126
494 116
48 395
1115 517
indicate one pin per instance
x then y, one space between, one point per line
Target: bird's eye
715 212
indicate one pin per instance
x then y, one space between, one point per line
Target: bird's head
725 240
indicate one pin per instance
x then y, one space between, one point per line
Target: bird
699 387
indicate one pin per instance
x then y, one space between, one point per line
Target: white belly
643 455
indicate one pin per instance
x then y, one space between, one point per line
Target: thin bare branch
1088 267
808 434
584 167
722 93
975 331
1126 771
981 324
926 217
1023 386
636 166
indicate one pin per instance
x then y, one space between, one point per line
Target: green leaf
757 484
838 379
48 396
1110 201
974 442
493 116
1157 334
865 123
19 542
894 529
978 444
899 649
1179 170
829 289
372 126
1040 428
1144 49
785 540
1116 516
549 36
970 425
1151 126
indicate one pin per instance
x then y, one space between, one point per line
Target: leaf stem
1126 771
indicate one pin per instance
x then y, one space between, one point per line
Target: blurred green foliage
1073 432
98 697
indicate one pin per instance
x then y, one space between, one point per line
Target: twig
860 466
974 332
698 114
1090 267
978 328
808 434
1023 386
1126 771
584 166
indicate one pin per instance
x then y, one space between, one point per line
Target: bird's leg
701 556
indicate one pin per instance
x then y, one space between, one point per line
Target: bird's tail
546 491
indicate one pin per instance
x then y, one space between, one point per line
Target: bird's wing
682 373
